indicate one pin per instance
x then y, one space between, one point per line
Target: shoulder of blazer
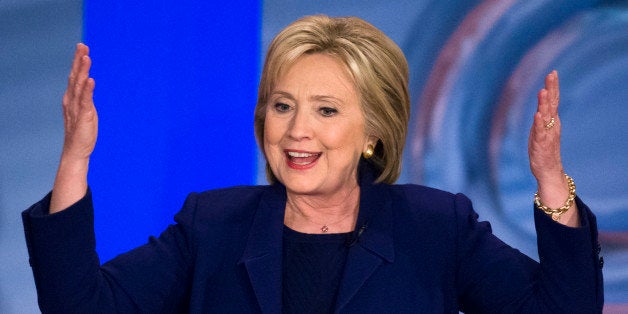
423 204
227 205
419 196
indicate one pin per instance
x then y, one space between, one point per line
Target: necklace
325 227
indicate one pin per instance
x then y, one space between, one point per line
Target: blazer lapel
374 244
262 256
263 253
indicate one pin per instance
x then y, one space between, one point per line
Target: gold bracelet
556 213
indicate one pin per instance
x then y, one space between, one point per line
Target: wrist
553 191
70 183
557 200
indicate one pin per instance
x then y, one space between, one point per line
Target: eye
327 111
281 107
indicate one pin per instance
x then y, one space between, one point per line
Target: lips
301 159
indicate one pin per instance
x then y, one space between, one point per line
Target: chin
305 188
304 185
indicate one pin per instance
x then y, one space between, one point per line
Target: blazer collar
373 245
374 238
376 214
263 252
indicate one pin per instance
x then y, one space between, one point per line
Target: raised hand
79 114
544 151
81 129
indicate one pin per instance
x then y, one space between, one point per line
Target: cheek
271 131
346 139
272 137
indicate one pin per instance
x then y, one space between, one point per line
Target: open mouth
301 160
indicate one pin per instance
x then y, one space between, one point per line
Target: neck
323 214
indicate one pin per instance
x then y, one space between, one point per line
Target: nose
300 127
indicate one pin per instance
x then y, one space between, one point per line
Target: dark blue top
312 269
424 252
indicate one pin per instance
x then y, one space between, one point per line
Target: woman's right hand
81 129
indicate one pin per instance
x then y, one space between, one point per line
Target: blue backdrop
176 88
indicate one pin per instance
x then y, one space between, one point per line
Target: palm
79 114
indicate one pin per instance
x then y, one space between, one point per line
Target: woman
332 233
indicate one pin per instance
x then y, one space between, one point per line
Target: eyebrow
313 97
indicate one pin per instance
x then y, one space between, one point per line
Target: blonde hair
379 70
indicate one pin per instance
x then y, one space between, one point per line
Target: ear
372 140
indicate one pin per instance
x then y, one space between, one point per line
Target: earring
368 153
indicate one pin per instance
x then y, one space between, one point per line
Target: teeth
301 155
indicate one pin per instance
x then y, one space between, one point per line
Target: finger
80 51
81 79
555 99
551 85
65 104
70 93
538 128
73 96
549 121
543 105
87 97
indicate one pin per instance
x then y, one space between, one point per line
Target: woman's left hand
544 151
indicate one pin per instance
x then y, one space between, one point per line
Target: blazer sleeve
152 278
495 278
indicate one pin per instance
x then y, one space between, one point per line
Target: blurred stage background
176 87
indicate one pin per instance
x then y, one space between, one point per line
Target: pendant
324 229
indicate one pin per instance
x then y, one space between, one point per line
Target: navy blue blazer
423 251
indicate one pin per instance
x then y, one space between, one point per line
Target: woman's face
314 129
